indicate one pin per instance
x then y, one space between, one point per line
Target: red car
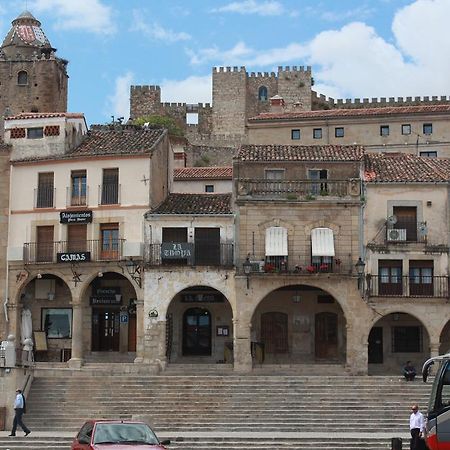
117 435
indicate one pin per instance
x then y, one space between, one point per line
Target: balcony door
76 238
109 241
78 188
110 187
174 236
44 244
390 277
421 278
207 246
406 220
45 191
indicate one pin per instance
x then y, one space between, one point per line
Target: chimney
276 104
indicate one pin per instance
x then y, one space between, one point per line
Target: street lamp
360 265
247 266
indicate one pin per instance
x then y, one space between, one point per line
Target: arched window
262 94
22 78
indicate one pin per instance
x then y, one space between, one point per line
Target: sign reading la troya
78 217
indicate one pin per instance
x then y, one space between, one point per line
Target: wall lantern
360 265
247 266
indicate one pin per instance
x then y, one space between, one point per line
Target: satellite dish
392 220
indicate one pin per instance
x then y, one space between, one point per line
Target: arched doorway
110 302
395 339
199 327
298 324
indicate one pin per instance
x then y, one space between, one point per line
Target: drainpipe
5 303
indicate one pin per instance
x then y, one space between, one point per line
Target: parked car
117 435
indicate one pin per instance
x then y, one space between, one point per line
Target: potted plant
323 267
310 269
269 268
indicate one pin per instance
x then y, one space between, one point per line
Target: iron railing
44 196
297 189
189 254
407 286
109 194
406 230
301 266
47 252
76 198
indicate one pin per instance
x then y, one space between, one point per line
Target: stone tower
32 78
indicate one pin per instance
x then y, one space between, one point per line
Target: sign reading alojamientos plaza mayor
78 217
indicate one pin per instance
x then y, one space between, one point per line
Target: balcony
76 198
93 250
189 254
408 286
109 194
302 266
406 230
298 189
44 196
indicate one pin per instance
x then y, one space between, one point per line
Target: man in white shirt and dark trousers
417 427
20 409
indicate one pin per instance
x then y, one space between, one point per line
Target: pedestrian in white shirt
416 426
19 409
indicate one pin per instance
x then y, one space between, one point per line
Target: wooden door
274 332
105 329
326 335
44 246
207 246
132 333
375 350
197 332
109 241
76 238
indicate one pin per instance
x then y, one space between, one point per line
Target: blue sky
357 48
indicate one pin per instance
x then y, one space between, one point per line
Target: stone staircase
207 410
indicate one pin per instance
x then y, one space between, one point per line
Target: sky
356 48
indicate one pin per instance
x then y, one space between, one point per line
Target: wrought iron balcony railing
297 189
109 194
79 251
77 198
44 196
189 254
407 286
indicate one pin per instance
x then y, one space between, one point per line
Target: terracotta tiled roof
404 168
118 142
300 153
203 173
353 112
195 204
45 116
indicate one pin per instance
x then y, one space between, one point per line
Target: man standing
20 409
416 426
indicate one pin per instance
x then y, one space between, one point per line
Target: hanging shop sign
176 250
78 217
106 296
73 257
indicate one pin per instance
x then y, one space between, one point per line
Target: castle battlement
382 101
289 69
173 105
228 69
266 74
145 88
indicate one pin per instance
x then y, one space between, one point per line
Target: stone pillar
242 346
14 311
76 360
140 330
434 348
357 357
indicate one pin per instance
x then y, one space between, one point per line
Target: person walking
416 426
20 408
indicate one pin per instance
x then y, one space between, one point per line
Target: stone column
14 311
76 360
140 330
357 358
434 348
241 346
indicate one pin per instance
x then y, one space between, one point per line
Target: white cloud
265 8
155 31
233 56
119 102
88 15
191 90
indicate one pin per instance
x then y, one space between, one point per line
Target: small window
295 135
262 94
317 133
339 132
35 133
406 339
22 78
274 174
384 130
406 129
209 188
427 128
57 322
431 154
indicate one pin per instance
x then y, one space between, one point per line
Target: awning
322 243
276 241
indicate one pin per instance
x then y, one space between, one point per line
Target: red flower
311 269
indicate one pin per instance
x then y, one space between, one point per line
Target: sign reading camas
73 257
